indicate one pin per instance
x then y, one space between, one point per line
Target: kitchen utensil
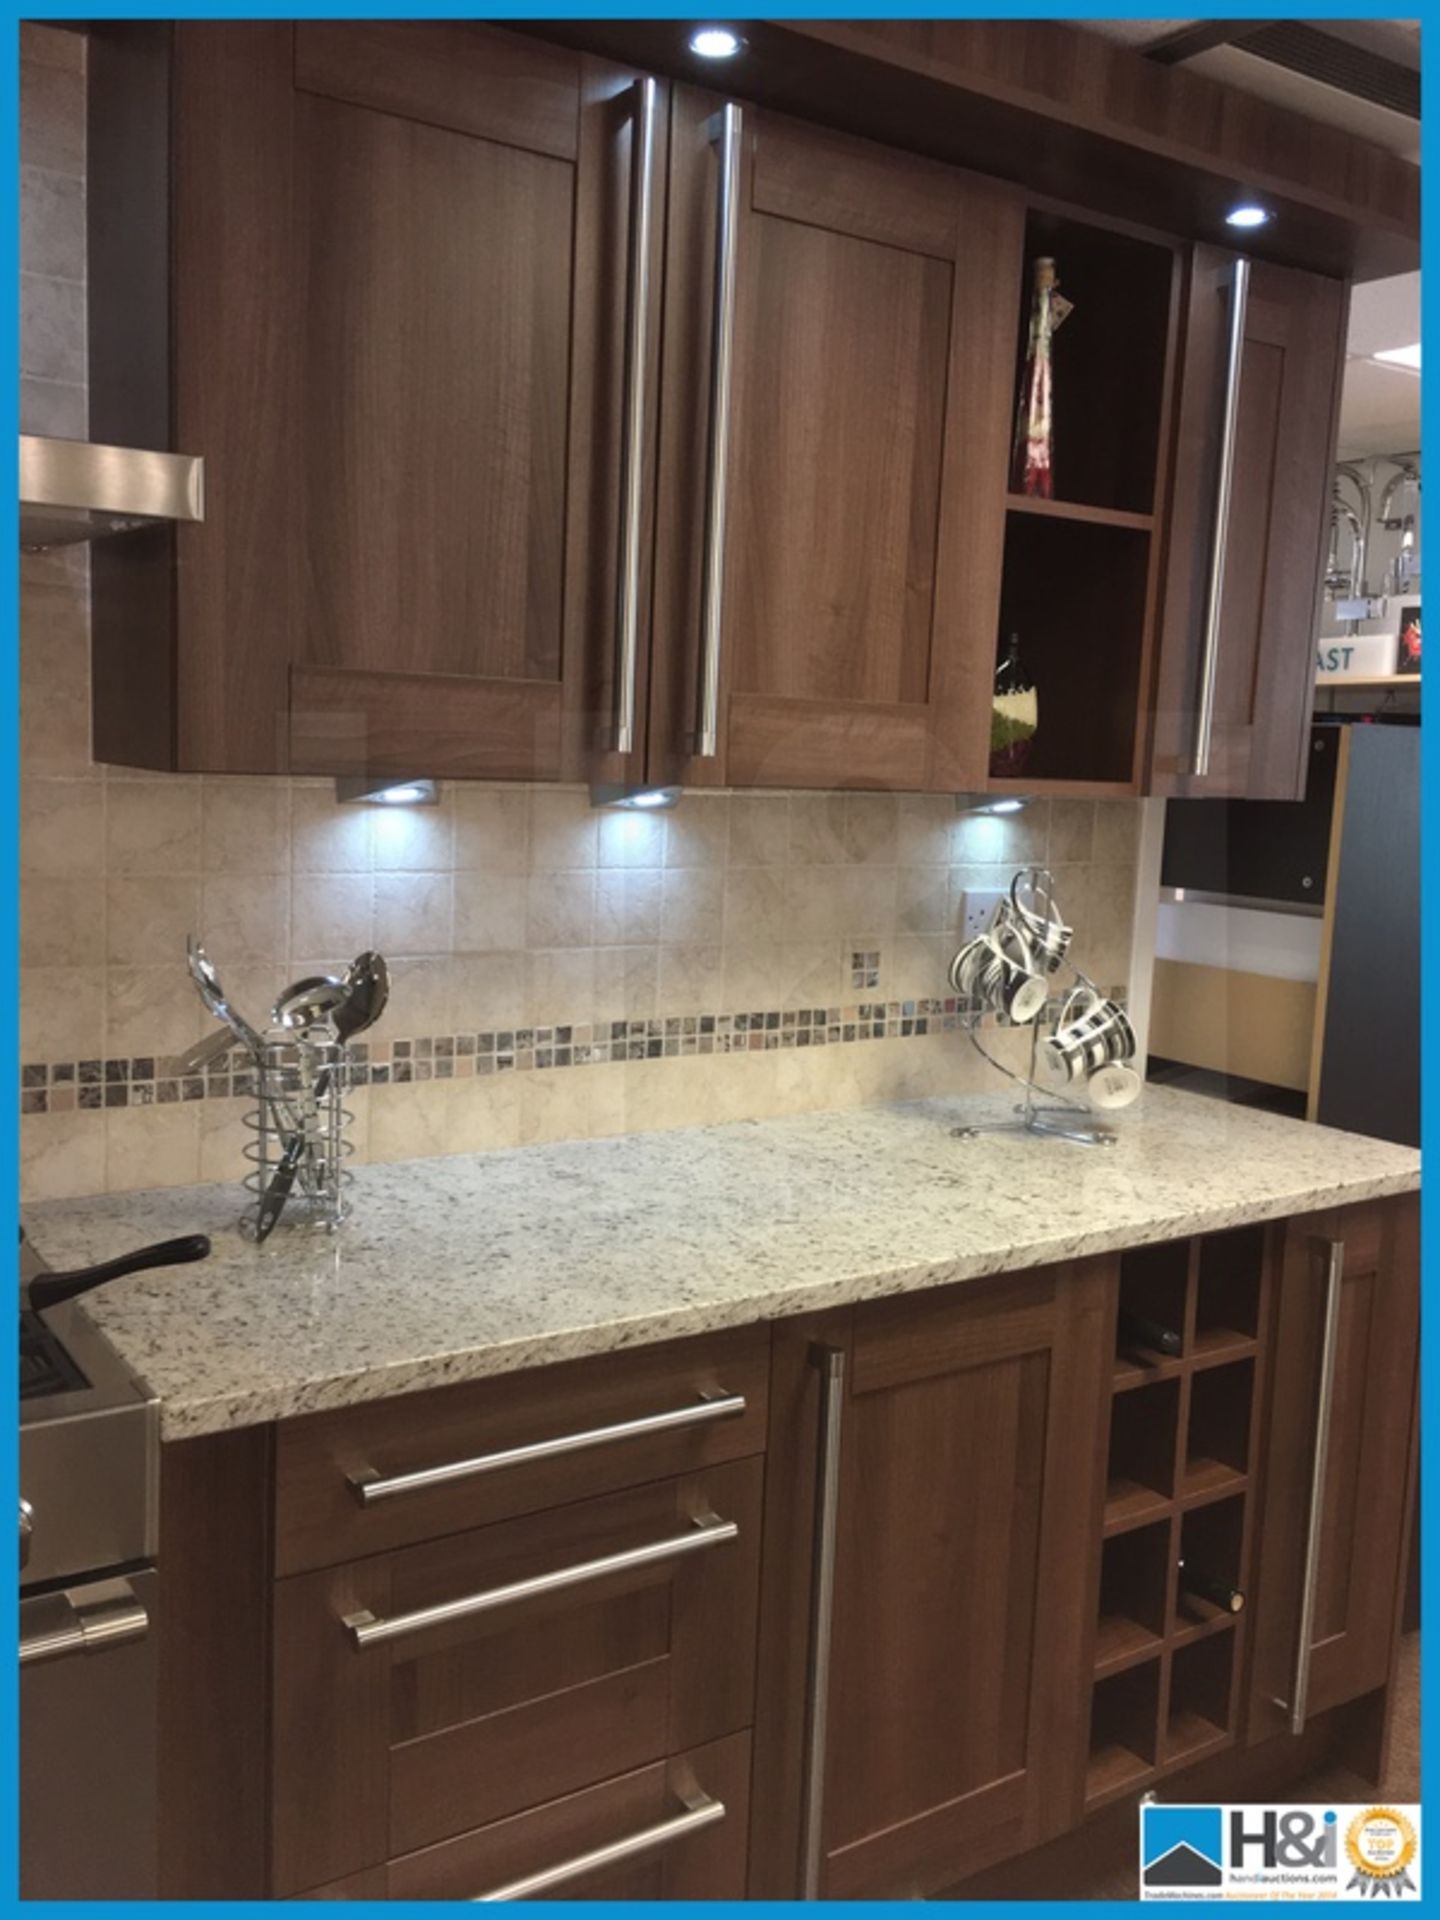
203 973
49 1289
312 1002
272 1201
205 1052
367 988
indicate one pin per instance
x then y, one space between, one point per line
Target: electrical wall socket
977 909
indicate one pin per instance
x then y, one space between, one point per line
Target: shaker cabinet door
838 361
408 245
968 1520
1248 520
1331 1541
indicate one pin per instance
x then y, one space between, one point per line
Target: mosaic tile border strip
145 1080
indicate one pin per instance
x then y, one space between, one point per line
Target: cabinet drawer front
683 1848
522 1664
370 1478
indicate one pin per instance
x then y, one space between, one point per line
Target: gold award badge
1381 1844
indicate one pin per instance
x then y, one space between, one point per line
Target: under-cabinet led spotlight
715 43
1247 214
394 793
986 803
634 799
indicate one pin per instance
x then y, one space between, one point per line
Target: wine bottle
1201 1585
1137 1331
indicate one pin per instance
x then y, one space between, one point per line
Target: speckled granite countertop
455 1268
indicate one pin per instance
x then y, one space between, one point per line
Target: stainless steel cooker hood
72 490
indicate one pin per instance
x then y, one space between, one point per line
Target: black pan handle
49 1289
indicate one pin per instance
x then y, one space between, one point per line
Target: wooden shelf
1121 1642
1205 1480
1190 1734
1343 680
1208 1621
1217 1345
1113 1771
1129 1504
1064 789
1139 1368
1087 516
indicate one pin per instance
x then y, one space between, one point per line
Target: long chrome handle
632 447
700 1811
831 1362
369 1486
1334 1275
366 1630
87 1620
1224 488
726 128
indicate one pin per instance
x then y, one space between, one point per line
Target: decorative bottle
1014 714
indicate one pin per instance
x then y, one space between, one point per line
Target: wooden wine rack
1184 1435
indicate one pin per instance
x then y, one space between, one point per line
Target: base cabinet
1341 1463
674 1830
968 1446
854 1607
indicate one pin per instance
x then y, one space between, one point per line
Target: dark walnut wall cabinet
1236 687
843 607
860 1605
399 282
561 422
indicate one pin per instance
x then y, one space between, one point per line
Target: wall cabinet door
970 1487
844 616
402 276
1258 652
1347 1533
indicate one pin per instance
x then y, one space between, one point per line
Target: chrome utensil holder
300 1084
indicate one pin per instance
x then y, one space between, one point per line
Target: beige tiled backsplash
502 910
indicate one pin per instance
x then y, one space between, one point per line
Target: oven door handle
88 1619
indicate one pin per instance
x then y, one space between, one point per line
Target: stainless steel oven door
88 1741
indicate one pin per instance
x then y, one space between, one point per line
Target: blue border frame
9 731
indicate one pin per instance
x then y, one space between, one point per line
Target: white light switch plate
977 909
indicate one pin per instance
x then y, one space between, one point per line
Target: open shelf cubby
1154 1287
1124 1728
1212 1544
1202 1684
1109 358
1076 593
1228 1291
1217 1437
1134 1574
1140 1481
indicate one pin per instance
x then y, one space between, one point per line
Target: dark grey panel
1370 1076
1257 849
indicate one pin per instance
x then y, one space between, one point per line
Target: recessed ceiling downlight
715 43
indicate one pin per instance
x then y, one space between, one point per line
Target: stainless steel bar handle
1224 488
632 445
1334 1275
102 1616
366 1630
369 1486
726 128
831 1362
699 1812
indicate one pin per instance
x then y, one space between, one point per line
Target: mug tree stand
1066 1120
